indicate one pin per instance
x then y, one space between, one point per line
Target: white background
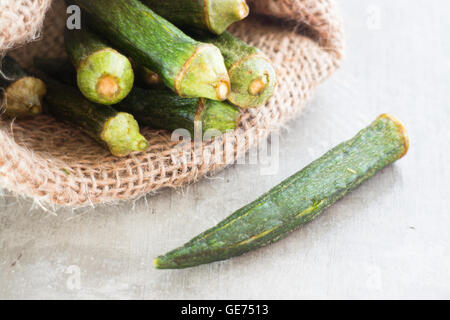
388 239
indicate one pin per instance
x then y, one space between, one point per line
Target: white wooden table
388 239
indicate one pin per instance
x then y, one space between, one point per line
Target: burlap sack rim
42 176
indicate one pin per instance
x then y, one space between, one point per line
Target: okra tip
166 263
220 17
401 129
141 144
243 10
161 263
24 98
253 81
157 263
204 75
121 135
105 77
152 78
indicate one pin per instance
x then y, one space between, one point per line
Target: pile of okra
172 65
163 64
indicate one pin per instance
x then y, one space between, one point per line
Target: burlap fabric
54 164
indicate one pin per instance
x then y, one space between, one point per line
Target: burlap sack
54 164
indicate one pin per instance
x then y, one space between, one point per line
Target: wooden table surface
388 239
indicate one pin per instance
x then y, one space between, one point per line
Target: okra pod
104 75
160 108
21 94
297 200
117 131
211 15
189 68
252 75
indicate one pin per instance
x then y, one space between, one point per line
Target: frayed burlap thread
20 21
53 163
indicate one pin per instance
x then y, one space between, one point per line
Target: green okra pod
188 67
252 74
162 109
63 70
211 15
104 75
159 107
117 131
297 200
21 94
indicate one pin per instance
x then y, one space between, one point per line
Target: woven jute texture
54 164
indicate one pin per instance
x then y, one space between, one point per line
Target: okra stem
211 15
21 95
103 75
252 75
